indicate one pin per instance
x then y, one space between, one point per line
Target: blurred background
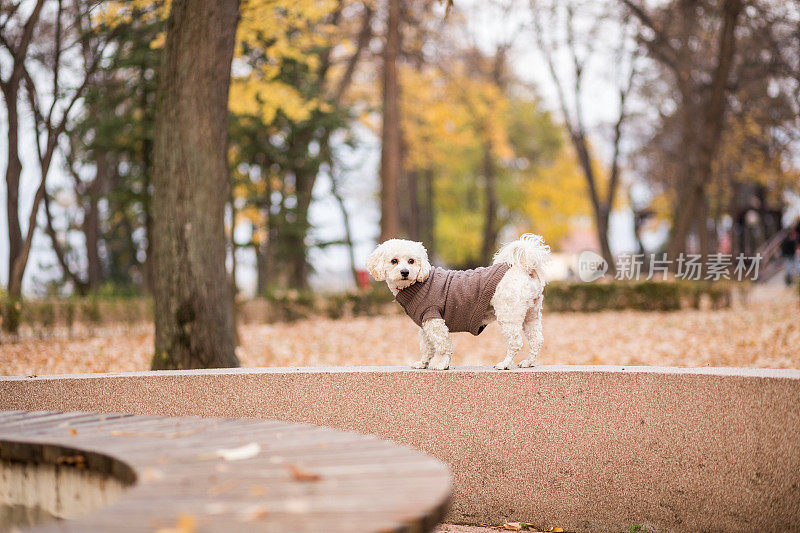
618 126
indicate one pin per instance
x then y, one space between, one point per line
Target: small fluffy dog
443 301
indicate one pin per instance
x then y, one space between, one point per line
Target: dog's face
399 262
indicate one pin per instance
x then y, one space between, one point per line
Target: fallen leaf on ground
299 474
152 474
185 524
522 526
222 488
248 451
762 333
256 512
257 490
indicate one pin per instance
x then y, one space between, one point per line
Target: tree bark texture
10 88
91 223
490 218
703 146
193 311
391 147
13 172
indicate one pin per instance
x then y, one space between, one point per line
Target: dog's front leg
435 330
426 350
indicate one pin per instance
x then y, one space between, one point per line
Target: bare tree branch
80 285
364 37
659 45
20 51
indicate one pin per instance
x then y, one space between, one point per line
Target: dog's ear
375 264
424 265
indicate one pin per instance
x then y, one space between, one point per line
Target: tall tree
17 36
391 147
672 35
110 149
602 189
289 99
193 305
54 82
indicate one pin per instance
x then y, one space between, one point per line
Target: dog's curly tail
528 252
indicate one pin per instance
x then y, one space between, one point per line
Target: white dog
443 301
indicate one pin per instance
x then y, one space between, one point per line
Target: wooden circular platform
216 474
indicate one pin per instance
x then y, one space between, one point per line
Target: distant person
789 252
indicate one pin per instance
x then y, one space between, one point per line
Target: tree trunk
602 210
409 205
17 273
81 286
261 269
10 89
704 146
391 163
193 312
348 235
10 310
13 172
147 198
490 220
295 243
91 223
429 214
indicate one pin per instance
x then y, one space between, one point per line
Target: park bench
114 472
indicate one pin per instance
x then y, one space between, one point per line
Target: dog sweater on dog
461 297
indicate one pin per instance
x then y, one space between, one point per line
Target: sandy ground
764 332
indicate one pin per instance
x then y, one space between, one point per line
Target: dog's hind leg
512 334
426 350
511 301
533 332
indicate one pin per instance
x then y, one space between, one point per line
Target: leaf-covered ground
764 332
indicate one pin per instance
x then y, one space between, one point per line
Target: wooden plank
345 482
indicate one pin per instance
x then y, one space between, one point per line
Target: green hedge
42 317
642 296
288 306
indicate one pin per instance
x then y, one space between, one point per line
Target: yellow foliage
437 128
115 12
159 41
255 96
554 196
279 31
746 157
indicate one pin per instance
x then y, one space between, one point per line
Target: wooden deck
216 474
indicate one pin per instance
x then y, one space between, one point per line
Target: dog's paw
502 365
440 366
419 364
527 363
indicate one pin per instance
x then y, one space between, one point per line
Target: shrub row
642 296
43 316
288 306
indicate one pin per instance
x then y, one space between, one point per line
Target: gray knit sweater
461 297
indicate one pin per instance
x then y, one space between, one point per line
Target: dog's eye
410 261
394 261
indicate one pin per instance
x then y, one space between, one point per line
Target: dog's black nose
404 273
